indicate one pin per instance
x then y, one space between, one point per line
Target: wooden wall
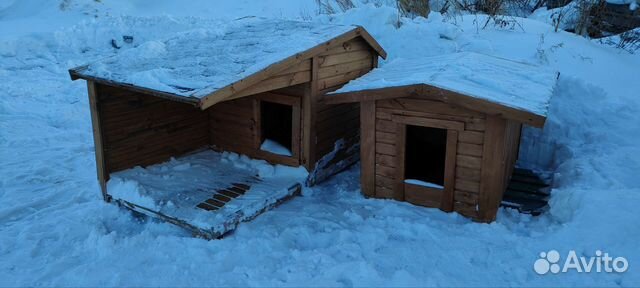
502 142
138 129
487 150
233 127
336 67
469 150
143 130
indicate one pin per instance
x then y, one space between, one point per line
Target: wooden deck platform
526 192
204 193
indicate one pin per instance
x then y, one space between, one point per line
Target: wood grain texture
493 169
367 148
447 196
141 129
293 60
101 167
446 96
399 192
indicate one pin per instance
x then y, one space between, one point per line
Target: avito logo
602 262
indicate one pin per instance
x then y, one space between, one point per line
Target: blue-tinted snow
514 84
201 61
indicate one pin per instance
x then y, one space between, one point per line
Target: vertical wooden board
513 146
101 167
367 147
309 105
493 168
257 132
446 203
296 127
401 134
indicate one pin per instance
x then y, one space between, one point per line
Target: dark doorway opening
276 122
425 154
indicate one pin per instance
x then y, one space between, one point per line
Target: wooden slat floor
204 193
526 192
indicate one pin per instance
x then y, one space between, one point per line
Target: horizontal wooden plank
383 181
421 195
475 124
430 106
343 68
383 192
386 137
386 160
274 83
341 79
468 161
385 171
300 67
356 44
384 114
332 110
385 126
387 112
469 149
472 137
386 149
465 209
428 122
333 59
465 185
470 174
466 197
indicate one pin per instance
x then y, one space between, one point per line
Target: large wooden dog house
257 80
444 131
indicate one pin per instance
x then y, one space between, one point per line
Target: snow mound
197 63
514 84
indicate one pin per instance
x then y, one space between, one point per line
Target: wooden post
446 203
493 168
401 145
309 106
368 147
101 166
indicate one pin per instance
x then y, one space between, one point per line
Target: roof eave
438 94
75 74
228 91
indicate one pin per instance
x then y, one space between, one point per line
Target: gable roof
475 81
205 66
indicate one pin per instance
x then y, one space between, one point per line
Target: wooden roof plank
210 83
226 92
438 94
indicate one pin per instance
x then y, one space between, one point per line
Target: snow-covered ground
55 230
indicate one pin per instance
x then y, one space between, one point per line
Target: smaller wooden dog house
444 131
252 87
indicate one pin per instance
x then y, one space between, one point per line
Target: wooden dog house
444 131
257 80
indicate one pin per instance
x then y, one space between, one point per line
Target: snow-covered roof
513 84
198 63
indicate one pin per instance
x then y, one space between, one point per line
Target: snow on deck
176 187
509 83
199 62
